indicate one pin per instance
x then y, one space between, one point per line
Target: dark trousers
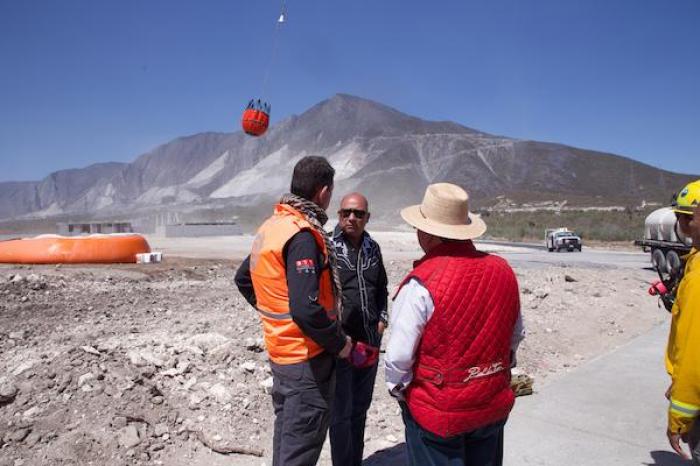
694 442
353 395
480 447
498 458
302 395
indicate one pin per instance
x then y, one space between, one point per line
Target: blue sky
85 81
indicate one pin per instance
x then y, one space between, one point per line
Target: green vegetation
626 225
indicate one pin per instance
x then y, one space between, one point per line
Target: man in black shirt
364 284
291 279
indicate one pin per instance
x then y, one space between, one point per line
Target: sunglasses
359 214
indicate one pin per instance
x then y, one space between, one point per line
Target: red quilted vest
462 370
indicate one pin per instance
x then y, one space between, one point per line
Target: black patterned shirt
364 280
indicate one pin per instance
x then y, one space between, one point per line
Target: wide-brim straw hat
444 212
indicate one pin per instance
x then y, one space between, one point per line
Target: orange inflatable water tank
256 118
92 249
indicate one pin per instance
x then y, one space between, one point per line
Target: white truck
557 239
665 242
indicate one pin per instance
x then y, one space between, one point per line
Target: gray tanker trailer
665 242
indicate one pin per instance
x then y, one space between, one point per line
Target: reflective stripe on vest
274 315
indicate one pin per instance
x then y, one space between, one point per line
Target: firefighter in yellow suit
683 352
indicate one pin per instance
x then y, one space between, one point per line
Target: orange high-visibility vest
286 343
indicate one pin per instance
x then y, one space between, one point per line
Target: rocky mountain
375 149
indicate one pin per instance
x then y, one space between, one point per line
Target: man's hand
381 327
397 392
345 352
674 439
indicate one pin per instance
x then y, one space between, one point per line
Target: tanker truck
666 243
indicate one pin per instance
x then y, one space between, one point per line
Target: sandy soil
164 364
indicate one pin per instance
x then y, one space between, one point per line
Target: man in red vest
455 327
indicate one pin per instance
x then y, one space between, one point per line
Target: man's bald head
353 216
354 201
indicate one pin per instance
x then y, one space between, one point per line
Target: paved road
529 254
595 258
403 246
611 411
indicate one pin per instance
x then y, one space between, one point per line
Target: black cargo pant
302 395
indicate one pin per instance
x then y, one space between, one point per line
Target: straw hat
444 212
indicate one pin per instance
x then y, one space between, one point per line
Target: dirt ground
164 363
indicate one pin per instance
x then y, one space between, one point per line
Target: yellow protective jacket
683 352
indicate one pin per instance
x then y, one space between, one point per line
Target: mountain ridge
389 155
